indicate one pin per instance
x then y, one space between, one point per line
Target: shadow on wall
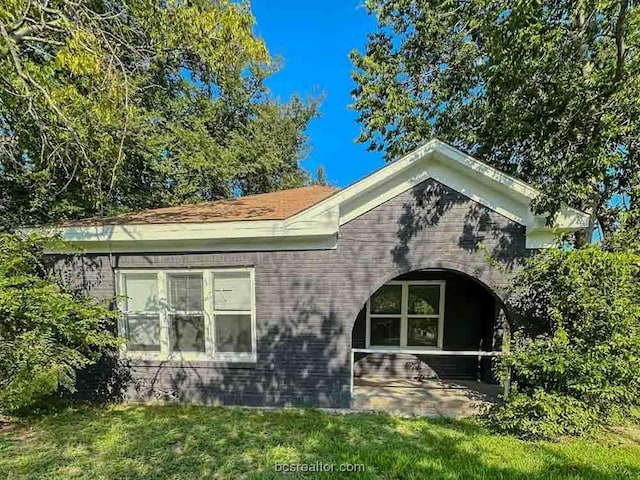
110 377
299 361
305 327
107 381
79 273
433 203
467 237
300 353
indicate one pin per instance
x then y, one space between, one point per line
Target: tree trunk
584 237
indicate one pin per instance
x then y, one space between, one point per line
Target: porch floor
430 398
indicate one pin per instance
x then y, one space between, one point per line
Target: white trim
482 183
462 353
404 307
209 313
317 227
418 166
404 316
542 239
327 242
367 332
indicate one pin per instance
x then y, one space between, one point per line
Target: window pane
185 292
233 333
187 333
388 299
232 291
422 332
385 331
143 332
424 299
141 291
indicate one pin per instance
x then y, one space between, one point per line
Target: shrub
575 349
46 331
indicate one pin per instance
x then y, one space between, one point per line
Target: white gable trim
317 227
482 183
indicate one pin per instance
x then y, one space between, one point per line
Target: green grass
214 442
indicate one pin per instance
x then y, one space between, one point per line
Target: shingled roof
266 206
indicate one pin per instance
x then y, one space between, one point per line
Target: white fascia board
324 225
568 218
539 239
514 185
337 200
482 183
320 242
256 235
502 193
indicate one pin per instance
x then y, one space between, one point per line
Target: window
191 315
232 309
185 311
406 314
141 312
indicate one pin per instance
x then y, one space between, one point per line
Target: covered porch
425 343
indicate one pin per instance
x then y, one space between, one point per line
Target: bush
575 349
46 331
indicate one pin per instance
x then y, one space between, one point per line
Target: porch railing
461 353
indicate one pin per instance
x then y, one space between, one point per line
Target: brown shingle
266 206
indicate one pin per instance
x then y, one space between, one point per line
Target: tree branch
619 35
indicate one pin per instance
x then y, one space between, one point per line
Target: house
283 298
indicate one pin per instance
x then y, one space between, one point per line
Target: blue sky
315 39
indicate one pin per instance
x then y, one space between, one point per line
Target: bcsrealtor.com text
318 467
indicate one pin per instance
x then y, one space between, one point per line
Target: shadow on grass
195 442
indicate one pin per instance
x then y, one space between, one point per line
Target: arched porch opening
430 328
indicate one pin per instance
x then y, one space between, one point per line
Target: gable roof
507 195
277 205
310 217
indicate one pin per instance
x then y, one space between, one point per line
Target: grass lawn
213 442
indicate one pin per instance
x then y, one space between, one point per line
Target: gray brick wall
307 301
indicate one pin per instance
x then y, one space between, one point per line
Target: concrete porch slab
431 398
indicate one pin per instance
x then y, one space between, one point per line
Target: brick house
285 298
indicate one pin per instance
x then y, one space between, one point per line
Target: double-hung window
189 314
141 312
406 314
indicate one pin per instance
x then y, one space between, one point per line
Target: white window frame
404 317
165 353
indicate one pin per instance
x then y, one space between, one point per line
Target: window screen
233 333
141 315
232 291
186 312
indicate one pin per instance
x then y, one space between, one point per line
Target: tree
47 332
321 177
109 106
546 91
576 338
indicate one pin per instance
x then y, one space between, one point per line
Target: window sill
194 357
393 349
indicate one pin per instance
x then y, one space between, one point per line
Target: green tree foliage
547 91
46 331
108 106
627 238
575 351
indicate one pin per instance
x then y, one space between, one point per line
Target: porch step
433 401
